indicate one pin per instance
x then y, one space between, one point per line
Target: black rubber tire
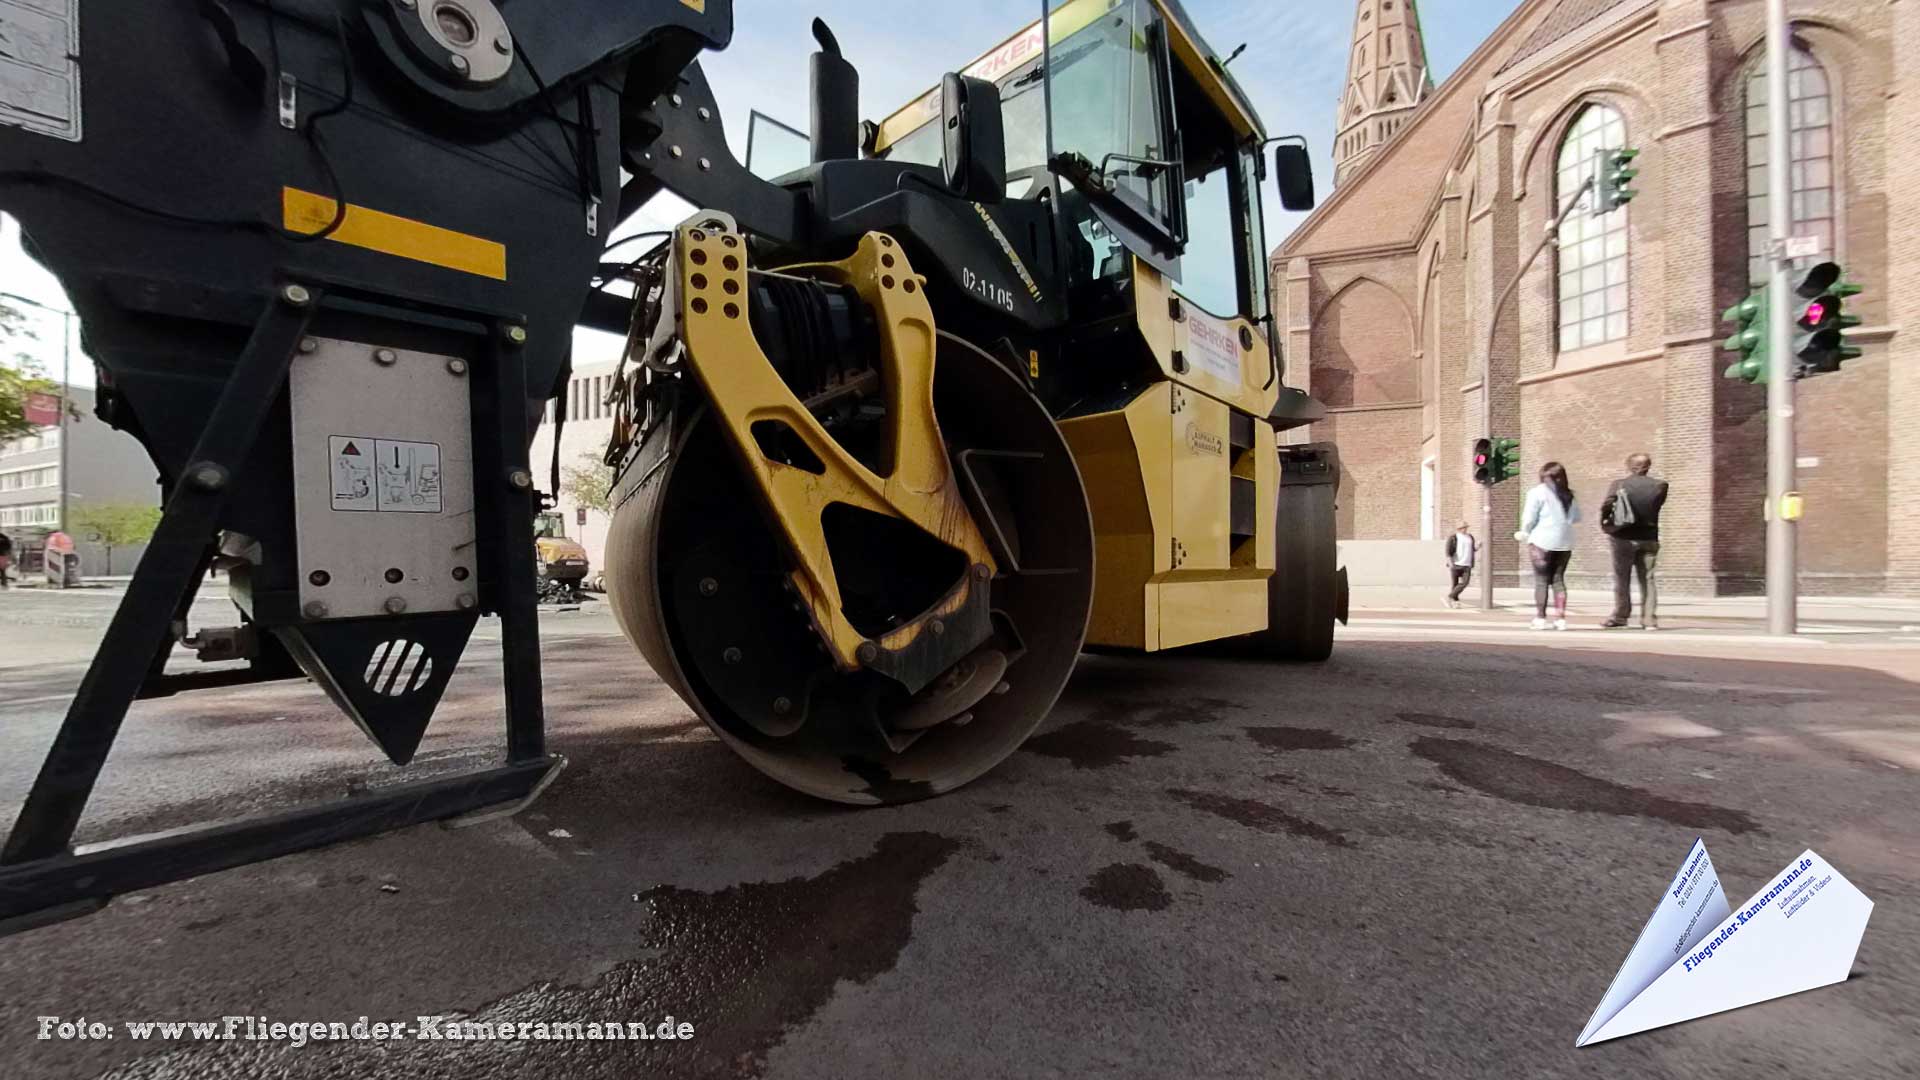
1305 594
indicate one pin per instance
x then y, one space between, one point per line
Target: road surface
1426 857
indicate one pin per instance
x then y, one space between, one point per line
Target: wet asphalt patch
754 959
1434 720
1530 781
1282 739
1262 816
1093 744
1128 887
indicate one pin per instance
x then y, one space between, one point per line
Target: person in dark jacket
1631 517
6 560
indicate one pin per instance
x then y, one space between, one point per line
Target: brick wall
1365 354
1676 72
1380 472
1589 422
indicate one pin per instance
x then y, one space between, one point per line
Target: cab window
1207 268
1223 270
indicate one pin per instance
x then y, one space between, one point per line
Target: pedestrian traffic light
1495 460
1820 319
1613 185
1506 459
1483 462
1750 340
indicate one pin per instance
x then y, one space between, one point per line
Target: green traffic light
1750 340
1506 459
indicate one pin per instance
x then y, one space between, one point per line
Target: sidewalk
1894 612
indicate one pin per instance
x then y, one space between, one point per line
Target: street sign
1803 247
41 409
580 515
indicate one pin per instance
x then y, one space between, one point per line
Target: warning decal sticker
352 473
373 475
409 476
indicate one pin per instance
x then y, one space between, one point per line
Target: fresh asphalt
1426 857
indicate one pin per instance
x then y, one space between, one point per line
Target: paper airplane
1696 956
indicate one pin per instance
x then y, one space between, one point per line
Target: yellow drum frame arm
708 279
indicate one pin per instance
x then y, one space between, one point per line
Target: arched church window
1593 250
1811 151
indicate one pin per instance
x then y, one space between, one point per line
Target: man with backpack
1630 516
1462 552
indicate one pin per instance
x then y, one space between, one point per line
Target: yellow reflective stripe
305 212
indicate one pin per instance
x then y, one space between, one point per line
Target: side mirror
1293 171
975 145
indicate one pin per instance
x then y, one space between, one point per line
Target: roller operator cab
559 562
896 432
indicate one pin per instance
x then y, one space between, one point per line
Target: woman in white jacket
1546 527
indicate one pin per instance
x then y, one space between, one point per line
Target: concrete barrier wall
1394 562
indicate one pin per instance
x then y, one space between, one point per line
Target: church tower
1387 79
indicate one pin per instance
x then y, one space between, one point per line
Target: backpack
1617 512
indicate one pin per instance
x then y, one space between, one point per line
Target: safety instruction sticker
391 475
40 66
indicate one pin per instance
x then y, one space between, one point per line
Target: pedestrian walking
1461 553
1630 517
6 560
1546 527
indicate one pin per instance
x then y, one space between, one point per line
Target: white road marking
1379 628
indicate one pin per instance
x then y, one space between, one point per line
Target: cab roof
1190 50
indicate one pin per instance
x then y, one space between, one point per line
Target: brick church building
1612 343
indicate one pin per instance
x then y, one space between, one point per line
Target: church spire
1387 79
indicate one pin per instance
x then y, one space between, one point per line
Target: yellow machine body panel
1223 358
1163 478
710 283
555 548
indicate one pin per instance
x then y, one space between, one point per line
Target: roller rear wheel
1307 593
697 579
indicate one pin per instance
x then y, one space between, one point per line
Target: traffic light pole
1782 538
1486 380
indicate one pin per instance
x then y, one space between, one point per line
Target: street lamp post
1782 539
1486 370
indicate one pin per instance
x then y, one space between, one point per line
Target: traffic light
1506 459
1750 340
1495 460
1613 187
1820 317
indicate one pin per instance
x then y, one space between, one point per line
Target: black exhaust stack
835 119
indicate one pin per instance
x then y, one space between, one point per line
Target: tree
589 484
113 525
19 376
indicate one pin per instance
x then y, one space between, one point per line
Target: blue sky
1294 68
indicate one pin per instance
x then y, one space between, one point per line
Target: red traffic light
1816 313
1483 461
